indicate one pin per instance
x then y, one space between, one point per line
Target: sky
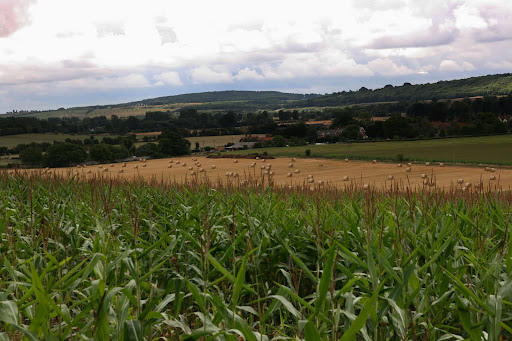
66 53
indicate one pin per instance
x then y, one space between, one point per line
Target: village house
504 118
362 134
329 133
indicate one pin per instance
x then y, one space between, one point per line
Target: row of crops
111 260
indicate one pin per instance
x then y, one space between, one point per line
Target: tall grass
111 260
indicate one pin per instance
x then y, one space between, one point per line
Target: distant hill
225 96
491 85
215 100
229 100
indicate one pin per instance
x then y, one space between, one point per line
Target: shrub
64 154
32 156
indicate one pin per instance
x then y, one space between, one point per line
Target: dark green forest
492 85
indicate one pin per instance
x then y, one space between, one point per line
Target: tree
460 110
299 129
64 154
295 115
101 152
419 109
350 132
365 118
132 123
105 152
32 155
173 144
399 126
147 149
342 118
284 115
439 112
279 141
228 120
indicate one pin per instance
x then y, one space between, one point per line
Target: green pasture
11 141
486 149
4 161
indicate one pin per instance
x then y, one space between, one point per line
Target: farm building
241 145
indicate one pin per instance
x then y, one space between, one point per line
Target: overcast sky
64 53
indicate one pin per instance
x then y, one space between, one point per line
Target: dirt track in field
330 172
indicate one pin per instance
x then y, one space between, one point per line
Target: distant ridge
219 100
490 85
224 96
237 100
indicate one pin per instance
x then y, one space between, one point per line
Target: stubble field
286 172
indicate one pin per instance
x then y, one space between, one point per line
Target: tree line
418 119
74 151
191 122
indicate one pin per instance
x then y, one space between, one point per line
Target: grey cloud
80 64
161 19
67 34
379 4
167 34
107 28
62 71
499 23
13 16
420 39
250 25
435 9
440 33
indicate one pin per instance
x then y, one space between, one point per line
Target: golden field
284 171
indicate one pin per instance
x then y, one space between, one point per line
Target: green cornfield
105 259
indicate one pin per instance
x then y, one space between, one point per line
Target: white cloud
101 42
468 16
468 66
328 63
205 74
248 74
387 67
169 78
451 65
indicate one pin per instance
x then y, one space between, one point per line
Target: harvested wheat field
300 172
